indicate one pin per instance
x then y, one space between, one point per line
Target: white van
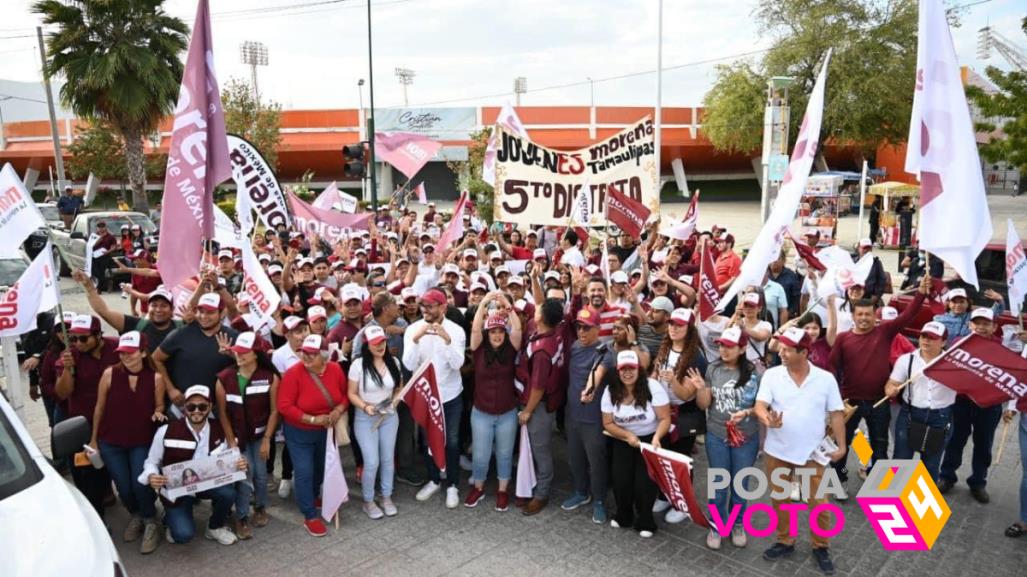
47 528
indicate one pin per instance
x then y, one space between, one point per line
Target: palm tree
120 62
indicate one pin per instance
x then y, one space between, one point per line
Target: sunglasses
79 339
197 407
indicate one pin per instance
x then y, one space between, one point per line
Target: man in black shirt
156 325
191 355
789 280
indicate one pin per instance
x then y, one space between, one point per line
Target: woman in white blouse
635 410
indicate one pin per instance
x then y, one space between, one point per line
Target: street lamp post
406 78
775 135
363 131
370 116
254 54
520 87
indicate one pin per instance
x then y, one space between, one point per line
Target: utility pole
370 117
406 78
58 156
254 54
659 98
363 134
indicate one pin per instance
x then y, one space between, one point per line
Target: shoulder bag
920 436
342 425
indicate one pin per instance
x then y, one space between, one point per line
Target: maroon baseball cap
434 297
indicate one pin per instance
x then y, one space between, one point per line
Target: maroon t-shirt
88 371
494 390
542 367
860 361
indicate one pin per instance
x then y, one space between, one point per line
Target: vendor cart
819 206
893 194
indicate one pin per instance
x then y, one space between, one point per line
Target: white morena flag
509 119
581 213
328 197
347 203
1016 270
226 233
20 304
684 229
51 282
19 216
422 194
768 242
264 296
942 151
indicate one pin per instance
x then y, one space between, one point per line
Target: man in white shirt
194 437
439 340
926 403
285 356
793 403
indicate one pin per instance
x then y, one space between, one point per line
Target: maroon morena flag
981 369
627 213
670 471
197 160
422 397
709 296
806 252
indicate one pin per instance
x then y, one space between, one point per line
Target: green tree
98 149
120 62
468 174
870 78
259 123
1005 111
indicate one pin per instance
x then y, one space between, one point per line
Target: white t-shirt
369 390
926 392
639 420
709 332
672 361
284 357
756 350
804 411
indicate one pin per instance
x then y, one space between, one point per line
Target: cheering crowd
598 348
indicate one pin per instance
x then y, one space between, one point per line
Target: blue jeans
732 459
451 410
1023 467
124 465
179 516
939 418
486 429
256 477
308 466
967 419
379 449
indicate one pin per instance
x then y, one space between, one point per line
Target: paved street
428 540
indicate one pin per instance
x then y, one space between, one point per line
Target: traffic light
355 160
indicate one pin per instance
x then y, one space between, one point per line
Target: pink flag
328 198
197 159
455 228
406 151
981 369
422 195
942 150
684 229
671 472
1016 270
709 296
508 119
334 489
525 467
327 224
421 395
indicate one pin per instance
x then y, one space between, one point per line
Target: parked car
11 267
48 528
72 242
50 214
991 274
37 240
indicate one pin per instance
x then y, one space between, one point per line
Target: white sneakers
372 510
713 539
660 506
645 534
428 491
674 517
222 535
738 537
452 498
388 507
284 488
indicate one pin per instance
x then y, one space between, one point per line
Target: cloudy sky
468 52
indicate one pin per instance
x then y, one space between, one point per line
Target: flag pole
905 383
1002 443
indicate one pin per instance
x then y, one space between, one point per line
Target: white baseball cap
374 335
619 277
479 286
982 313
210 301
245 342
451 269
274 269
865 242
130 342
225 253
551 275
470 253
160 293
732 337
316 312
681 317
408 293
955 294
350 293
933 329
496 255
516 279
312 344
539 253
502 269
201 390
292 322
627 359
